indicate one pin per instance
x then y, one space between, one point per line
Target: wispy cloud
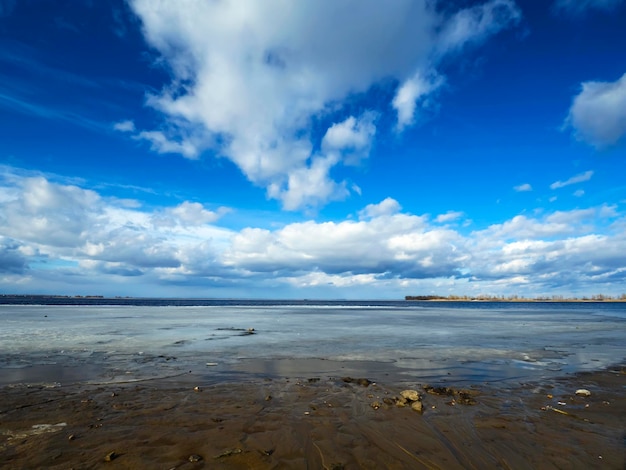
523 187
51 112
124 126
449 216
580 178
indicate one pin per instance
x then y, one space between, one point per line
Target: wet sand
314 422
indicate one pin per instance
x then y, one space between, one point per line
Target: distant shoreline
46 299
410 298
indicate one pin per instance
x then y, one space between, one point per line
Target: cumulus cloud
188 214
523 187
580 178
397 245
545 253
598 113
83 237
249 78
555 224
49 213
64 221
352 136
388 206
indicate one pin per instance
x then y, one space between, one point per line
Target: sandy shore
319 422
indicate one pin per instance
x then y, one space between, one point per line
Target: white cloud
47 213
388 206
580 178
598 113
449 216
413 91
579 193
523 187
522 227
352 136
398 245
308 184
250 77
577 7
61 221
162 144
188 214
62 235
477 23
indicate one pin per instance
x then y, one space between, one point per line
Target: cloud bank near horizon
267 85
56 232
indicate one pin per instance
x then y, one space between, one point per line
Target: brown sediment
315 422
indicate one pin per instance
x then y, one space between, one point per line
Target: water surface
132 339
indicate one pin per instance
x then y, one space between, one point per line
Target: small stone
195 458
363 381
465 397
228 453
410 395
196 389
110 457
71 437
417 406
268 397
442 391
376 405
583 392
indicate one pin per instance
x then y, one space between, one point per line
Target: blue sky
360 149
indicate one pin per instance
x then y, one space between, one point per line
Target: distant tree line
520 298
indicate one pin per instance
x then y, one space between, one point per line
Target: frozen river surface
437 341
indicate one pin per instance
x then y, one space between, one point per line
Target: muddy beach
320 422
